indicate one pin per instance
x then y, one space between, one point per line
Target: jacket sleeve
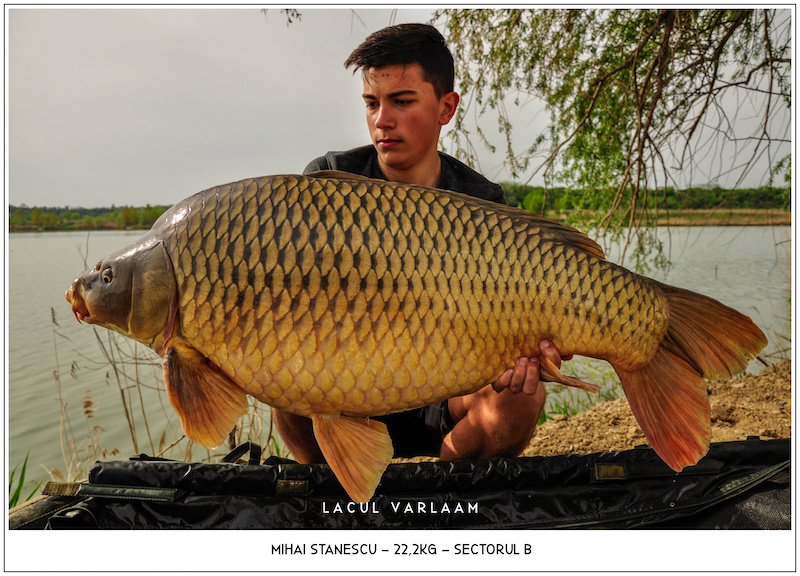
317 164
497 195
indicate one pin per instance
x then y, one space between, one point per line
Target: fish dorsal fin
358 450
338 175
208 402
551 229
569 235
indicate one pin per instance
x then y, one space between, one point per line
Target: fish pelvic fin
208 402
358 450
668 397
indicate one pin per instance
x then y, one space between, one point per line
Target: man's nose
384 118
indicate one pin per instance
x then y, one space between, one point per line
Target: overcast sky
149 105
137 106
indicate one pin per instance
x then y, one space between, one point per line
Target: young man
408 78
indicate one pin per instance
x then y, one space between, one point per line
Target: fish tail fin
716 340
670 402
668 396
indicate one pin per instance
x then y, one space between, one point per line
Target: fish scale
438 303
341 298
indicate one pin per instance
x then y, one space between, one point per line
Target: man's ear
449 104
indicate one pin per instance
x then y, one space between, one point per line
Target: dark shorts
419 432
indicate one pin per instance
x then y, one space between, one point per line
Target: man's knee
297 433
490 424
290 424
514 418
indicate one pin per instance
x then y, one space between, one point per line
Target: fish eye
107 275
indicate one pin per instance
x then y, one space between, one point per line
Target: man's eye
107 275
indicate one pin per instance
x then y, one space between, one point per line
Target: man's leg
297 433
490 423
487 424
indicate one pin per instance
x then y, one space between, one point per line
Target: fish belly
321 296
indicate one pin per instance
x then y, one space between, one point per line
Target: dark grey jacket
456 175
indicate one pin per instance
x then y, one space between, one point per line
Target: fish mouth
79 308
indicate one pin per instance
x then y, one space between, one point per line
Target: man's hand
525 376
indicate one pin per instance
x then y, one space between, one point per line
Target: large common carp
340 298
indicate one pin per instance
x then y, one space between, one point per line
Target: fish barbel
339 298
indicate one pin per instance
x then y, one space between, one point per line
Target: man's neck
422 174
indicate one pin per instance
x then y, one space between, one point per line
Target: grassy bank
707 217
723 217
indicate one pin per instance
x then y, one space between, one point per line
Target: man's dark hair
408 44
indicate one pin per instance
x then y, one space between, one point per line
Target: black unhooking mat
742 485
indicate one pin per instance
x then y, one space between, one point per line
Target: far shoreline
706 217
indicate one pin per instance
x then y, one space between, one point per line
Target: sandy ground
753 405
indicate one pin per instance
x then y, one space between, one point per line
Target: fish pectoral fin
551 372
208 402
358 450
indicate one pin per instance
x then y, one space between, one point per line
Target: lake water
53 361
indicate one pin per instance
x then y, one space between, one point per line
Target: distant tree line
22 218
541 200
633 98
532 198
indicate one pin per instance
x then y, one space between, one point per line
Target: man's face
404 115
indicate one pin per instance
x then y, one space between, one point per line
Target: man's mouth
387 142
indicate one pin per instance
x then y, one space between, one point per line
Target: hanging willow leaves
639 100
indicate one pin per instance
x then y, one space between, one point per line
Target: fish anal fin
358 450
553 374
208 402
670 402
